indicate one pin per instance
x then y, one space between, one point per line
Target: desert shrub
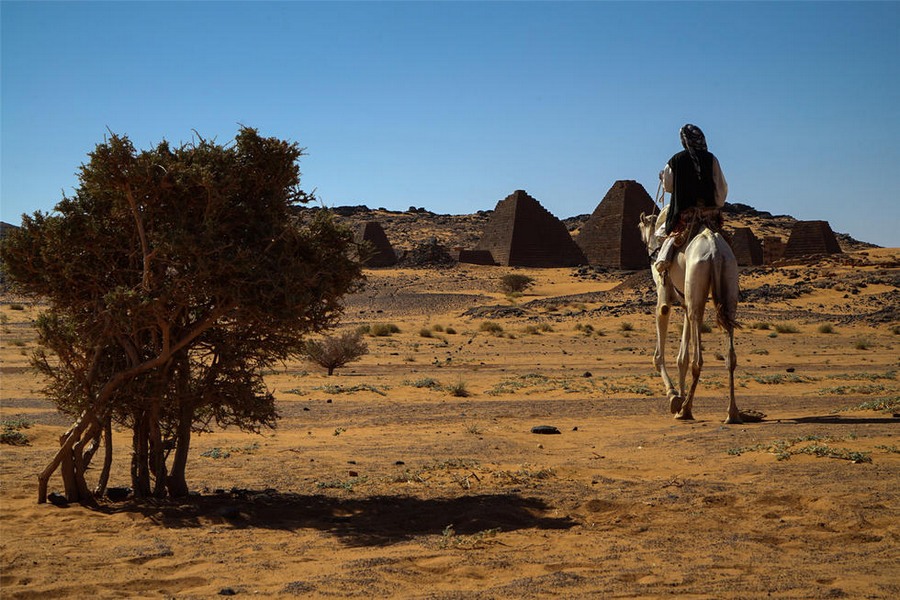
895 329
491 327
425 332
425 382
705 327
515 283
333 352
450 331
761 325
786 328
761 351
862 344
825 328
383 329
438 328
10 433
16 306
459 390
626 326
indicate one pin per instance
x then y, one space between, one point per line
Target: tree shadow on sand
364 521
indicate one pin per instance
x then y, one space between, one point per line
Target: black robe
688 189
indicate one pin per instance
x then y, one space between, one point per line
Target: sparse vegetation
784 449
515 283
382 329
459 390
491 327
334 352
890 404
626 326
10 433
863 344
825 328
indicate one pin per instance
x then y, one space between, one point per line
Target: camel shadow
364 521
839 420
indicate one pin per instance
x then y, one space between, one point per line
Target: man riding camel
695 180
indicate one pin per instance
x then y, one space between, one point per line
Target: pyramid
610 237
746 246
811 237
380 252
523 233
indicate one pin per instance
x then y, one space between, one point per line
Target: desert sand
414 473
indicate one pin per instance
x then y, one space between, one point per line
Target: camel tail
725 293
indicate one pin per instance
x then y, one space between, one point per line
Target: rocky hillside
417 226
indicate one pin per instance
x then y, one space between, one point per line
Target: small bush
383 329
515 283
895 329
761 325
705 327
491 327
334 352
862 344
459 390
16 306
437 328
450 331
825 328
626 326
425 332
786 328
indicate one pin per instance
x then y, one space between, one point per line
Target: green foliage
10 433
890 404
515 283
175 277
784 449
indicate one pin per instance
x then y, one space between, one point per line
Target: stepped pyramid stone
773 249
523 233
811 237
381 253
746 246
610 237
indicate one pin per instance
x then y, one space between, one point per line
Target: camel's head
647 227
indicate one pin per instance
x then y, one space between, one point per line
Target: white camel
705 264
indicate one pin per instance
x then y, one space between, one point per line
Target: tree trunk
140 466
177 481
157 457
107 459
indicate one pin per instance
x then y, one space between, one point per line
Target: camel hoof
733 421
675 403
685 416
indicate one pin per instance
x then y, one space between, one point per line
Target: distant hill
417 226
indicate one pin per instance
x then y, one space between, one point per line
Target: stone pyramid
811 237
379 253
746 246
610 237
523 233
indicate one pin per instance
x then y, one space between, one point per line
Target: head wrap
693 139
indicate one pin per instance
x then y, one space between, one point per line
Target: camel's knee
664 310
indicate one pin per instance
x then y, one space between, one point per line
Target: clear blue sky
454 105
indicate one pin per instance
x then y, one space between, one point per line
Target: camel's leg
734 415
693 326
683 360
663 311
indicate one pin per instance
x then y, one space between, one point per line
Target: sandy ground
381 482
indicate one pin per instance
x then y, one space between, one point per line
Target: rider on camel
695 180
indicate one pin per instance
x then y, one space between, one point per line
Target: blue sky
451 106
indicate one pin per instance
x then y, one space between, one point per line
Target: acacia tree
334 352
174 277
